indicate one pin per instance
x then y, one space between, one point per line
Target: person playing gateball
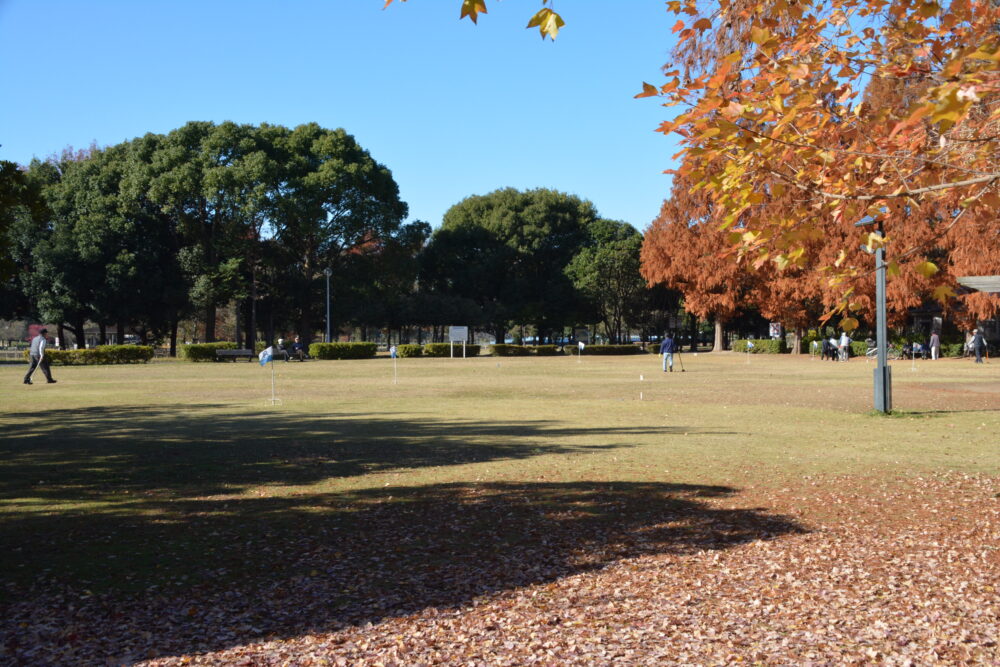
667 349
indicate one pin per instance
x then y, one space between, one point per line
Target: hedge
342 350
859 348
204 351
104 354
953 349
761 346
545 350
506 350
409 350
613 349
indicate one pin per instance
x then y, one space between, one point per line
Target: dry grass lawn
501 511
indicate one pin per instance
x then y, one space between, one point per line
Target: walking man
978 345
37 354
935 345
667 349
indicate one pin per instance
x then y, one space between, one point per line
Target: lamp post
883 372
328 272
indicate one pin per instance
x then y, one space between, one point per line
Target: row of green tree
171 227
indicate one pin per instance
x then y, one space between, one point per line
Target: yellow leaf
759 35
929 9
926 269
547 22
472 9
848 324
943 293
892 269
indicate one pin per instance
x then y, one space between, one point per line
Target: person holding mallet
667 349
38 360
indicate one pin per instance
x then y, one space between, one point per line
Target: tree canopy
858 108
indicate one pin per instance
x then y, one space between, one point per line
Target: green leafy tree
23 215
529 238
334 207
607 272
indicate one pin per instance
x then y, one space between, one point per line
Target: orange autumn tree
686 250
773 95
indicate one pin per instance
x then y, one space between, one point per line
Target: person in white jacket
38 359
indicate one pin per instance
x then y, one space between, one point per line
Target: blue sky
453 109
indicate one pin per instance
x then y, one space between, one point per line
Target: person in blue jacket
667 349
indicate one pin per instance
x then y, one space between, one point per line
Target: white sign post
457 334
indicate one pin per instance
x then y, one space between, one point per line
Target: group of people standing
836 349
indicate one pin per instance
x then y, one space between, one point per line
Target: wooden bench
235 354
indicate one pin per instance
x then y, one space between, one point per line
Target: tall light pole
883 372
328 272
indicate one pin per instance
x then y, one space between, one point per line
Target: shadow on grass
101 452
222 573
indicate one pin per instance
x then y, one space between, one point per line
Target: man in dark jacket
978 345
667 349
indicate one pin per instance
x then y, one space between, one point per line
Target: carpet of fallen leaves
831 571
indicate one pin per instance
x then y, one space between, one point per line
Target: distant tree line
173 227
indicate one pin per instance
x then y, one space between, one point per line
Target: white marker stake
395 377
274 400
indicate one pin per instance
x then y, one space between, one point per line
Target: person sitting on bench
299 350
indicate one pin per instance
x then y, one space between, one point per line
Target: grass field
169 512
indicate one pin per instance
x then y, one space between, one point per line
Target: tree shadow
209 574
101 452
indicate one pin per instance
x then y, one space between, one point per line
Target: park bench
234 354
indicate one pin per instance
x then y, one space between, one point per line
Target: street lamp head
328 272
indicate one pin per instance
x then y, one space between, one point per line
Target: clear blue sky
452 108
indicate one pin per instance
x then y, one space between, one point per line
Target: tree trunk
103 340
238 331
210 323
720 342
173 336
77 329
797 341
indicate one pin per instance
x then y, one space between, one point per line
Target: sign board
458 334
775 329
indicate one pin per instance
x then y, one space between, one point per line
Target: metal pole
883 373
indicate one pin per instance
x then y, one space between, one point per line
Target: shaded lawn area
138 525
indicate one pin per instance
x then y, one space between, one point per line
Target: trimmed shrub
444 350
545 350
952 349
506 350
105 354
204 351
409 350
342 350
613 349
761 346
859 348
